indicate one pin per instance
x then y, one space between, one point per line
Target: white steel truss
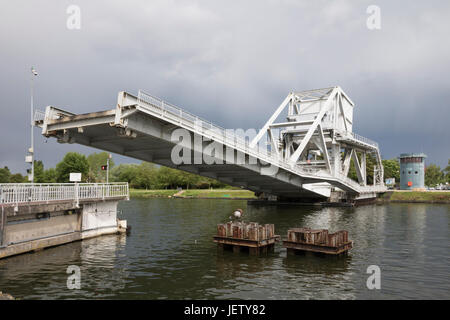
313 147
317 135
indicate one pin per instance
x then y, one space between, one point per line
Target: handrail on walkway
19 193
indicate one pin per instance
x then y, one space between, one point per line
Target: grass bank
194 193
417 196
219 193
142 193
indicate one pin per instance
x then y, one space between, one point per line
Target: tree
96 161
39 171
433 175
5 174
447 172
124 173
167 178
188 180
50 175
146 176
17 178
391 169
72 162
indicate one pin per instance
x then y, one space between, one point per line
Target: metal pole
77 195
31 125
107 170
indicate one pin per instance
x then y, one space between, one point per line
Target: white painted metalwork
39 115
27 193
338 126
312 146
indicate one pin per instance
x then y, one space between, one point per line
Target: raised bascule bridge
302 153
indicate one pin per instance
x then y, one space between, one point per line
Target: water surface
170 255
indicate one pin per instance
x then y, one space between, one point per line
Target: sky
231 62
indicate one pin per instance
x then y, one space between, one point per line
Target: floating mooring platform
240 236
320 241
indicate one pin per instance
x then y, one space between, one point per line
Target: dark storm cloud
230 62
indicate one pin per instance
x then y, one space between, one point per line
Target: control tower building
412 171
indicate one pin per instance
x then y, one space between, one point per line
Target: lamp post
107 167
31 150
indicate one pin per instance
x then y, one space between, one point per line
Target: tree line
434 175
150 176
141 176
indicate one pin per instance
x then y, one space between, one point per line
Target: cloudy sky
232 62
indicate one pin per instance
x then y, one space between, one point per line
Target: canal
170 255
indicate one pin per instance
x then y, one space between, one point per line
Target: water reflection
309 263
231 265
45 271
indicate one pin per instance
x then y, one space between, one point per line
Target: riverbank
390 196
415 196
194 194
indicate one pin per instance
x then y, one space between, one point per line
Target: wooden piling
257 239
305 239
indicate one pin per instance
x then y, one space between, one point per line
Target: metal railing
208 129
357 137
19 193
39 115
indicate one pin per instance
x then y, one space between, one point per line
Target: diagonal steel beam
324 147
347 158
270 121
358 168
274 147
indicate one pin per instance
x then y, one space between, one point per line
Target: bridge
302 153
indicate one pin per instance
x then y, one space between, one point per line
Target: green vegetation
150 176
146 175
5 175
96 161
434 175
391 169
141 193
220 193
194 193
150 180
72 162
420 196
370 163
447 172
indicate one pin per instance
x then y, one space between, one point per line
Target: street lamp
107 167
30 157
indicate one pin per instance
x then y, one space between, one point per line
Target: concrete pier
34 217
